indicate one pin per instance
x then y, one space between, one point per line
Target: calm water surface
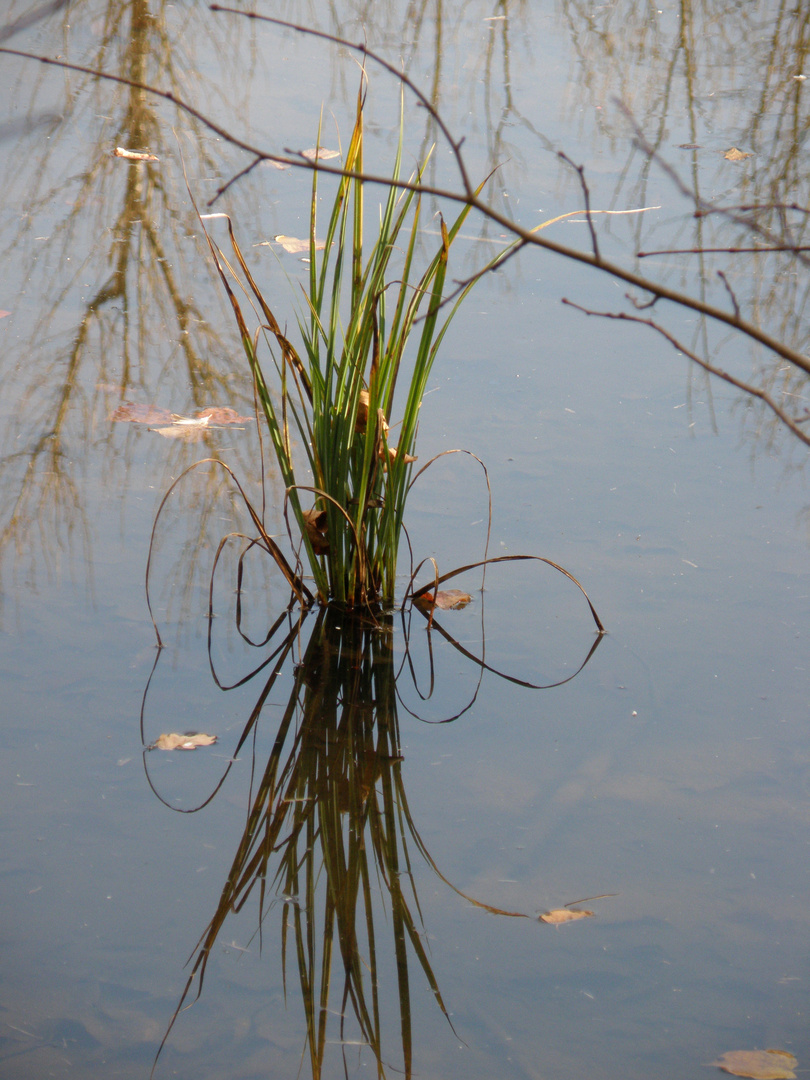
672 771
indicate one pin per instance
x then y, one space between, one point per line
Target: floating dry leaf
154 415
183 432
564 915
444 599
4 313
133 155
321 154
223 414
293 246
735 155
135 413
275 164
758 1064
189 741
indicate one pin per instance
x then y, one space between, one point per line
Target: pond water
670 776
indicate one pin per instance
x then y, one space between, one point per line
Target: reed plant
374 316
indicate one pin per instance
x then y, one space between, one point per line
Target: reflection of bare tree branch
469 198
139 309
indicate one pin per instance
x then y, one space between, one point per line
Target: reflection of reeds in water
328 832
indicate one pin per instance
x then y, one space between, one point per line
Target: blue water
672 771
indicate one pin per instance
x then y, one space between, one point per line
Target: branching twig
730 292
467 197
586 194
712 369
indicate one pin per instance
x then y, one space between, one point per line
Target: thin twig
712 369
730 292
586 194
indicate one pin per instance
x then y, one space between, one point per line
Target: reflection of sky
672 771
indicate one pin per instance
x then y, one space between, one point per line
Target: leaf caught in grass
315 524
293 246
758 1064
320 154
133 155
564 915
444 600
736 155
189 741
390 454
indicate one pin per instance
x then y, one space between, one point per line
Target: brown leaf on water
135 413
189 741
444 599
223 414
293 246
133 155
564 915
321 154
4 313
736 155
315 524
154 415
758 1064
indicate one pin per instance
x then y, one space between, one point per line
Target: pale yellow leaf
294 246
735 155
564 915
190 741
758 1064
133 155
321 154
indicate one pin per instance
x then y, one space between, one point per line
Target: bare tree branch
747 388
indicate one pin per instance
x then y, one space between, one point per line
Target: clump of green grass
370 314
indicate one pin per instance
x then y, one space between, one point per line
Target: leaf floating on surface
4 313
133 155
293 246
190 741
320 154
758 1064
135 413
564 915
156 417
444 600
223 414
736 155
183 432
274 164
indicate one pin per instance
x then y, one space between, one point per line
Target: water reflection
699 80
116 295
329 843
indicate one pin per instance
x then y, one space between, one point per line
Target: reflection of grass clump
328 831
336 399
